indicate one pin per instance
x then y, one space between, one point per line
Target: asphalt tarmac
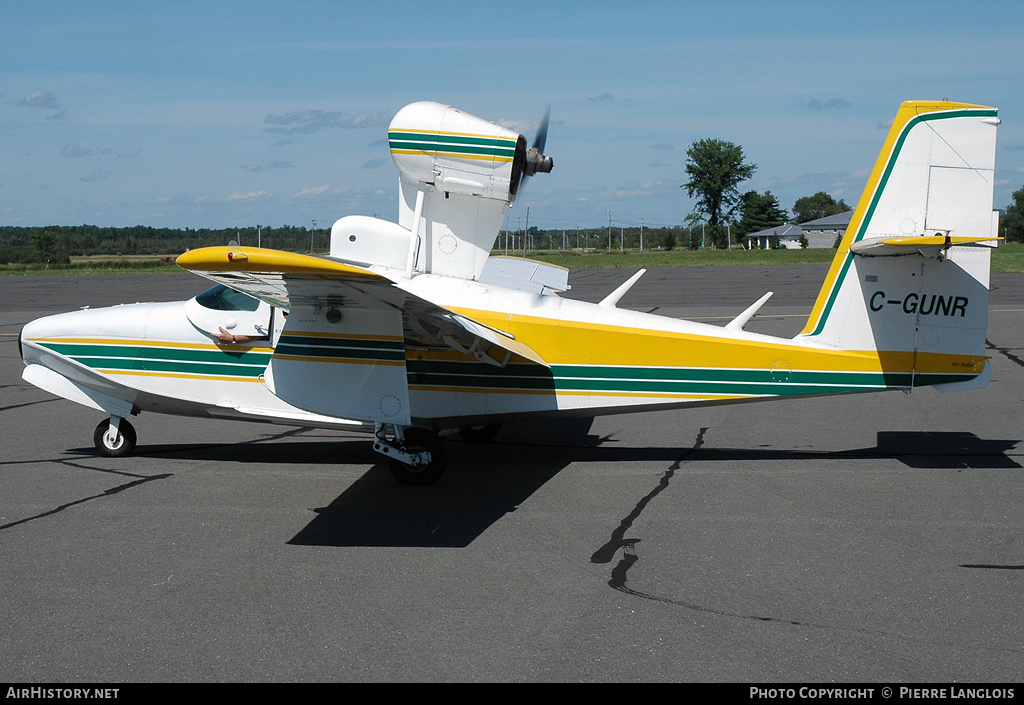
872 538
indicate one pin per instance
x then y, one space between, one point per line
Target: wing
288 279
344 315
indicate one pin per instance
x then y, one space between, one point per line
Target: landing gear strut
114 438
416 456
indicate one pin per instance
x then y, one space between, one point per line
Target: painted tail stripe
865 220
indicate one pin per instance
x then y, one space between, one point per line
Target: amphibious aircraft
410 328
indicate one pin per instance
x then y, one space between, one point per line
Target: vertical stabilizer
910 278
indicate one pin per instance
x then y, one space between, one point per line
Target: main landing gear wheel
418 440
117 447
480 433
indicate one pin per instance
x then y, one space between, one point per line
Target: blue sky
224 114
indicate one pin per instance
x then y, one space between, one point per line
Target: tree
47 246
817 206
1011 225
758 212
716 168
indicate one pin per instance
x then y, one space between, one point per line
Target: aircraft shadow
486 481
483 483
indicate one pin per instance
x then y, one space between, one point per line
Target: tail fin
910 278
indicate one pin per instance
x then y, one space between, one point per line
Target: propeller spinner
531 161
535 159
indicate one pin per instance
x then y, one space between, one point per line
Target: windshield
222 298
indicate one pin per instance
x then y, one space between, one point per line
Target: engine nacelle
458 175
456 152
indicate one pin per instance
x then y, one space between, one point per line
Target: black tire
480 433
417 440
124 444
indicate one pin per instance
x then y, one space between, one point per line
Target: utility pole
311 234
526 235
609 232
641 234
506 234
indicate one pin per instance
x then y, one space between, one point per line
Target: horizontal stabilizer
524 274
927 245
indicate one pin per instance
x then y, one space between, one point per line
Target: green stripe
148 352
145 358
502 142
460 149
704 381
128 365
477 146
335 348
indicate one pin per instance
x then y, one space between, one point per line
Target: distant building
821 233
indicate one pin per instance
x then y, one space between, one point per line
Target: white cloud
263 164
251 196
308 121
41 99
830 104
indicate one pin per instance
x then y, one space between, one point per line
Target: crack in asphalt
619 572
618 540
1005 351
106 493
137 482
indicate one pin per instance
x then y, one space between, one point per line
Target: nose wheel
114 438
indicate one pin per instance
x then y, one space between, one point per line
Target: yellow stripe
345 336
454 155
477 390
568 393
455 134
180 375
570 342
149 343
340 360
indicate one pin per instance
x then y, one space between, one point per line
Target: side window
235 312
222 298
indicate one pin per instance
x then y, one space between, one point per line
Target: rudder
910 277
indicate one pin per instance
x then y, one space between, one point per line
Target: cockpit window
222 298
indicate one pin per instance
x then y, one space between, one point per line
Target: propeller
535 159
530 161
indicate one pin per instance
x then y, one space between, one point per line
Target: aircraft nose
85 325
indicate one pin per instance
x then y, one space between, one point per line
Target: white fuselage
153 357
